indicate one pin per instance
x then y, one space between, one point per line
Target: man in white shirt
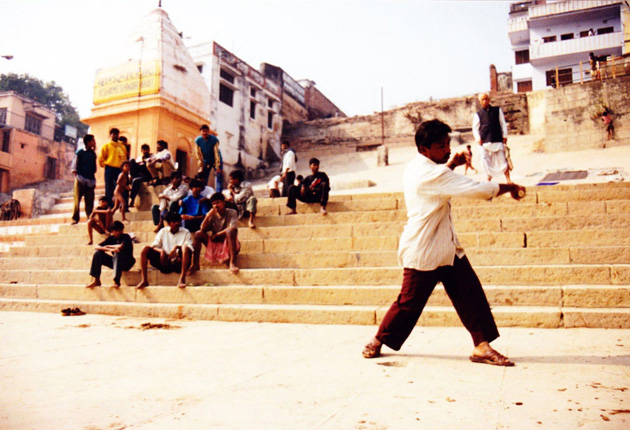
169 200
430 252
289 160
161 164
490 132
170 252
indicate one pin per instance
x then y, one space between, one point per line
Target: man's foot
372 349
292 212
181 284
233 269
192 270
251 224
74 222
89 243
95 283
141 285
485 354
323 211
156 229
115 284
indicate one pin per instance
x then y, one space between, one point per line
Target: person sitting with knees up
115 252
170 251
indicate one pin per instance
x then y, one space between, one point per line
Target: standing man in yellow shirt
112 156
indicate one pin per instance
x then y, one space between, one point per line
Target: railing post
557 78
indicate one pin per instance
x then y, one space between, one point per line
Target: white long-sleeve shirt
428 240
477 123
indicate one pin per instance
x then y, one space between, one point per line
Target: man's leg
89 200
111 175
99 259
293 194
144 266
232 238
251 207
465 291
76 216
403 314
200 238
287 183
186 256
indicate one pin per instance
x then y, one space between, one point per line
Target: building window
227 76
566 36
270 103
50 168
523 87
6 140
605 30
549 39
252 109
252 92
565 76
270 120
33 124
181 158
3 116
584 33
226 95
522 57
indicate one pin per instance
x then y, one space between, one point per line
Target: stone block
596 296
601 255
26 198
596 318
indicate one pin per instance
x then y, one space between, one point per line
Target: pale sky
351 48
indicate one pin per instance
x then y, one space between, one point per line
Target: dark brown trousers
463 288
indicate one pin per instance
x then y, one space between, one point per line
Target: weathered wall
400 123
318 105
570 116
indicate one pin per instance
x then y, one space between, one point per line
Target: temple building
152 91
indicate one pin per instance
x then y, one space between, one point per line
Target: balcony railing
517 24
575 46
566 7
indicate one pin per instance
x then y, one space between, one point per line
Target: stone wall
570 117
400 123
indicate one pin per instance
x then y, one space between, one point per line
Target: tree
48 94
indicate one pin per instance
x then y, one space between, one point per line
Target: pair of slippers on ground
72 312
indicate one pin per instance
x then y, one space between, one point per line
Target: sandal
493 357
372 349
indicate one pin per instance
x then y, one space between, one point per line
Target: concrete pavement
101 372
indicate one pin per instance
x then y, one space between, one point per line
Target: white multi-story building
555 38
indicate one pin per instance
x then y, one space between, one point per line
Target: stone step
559 274
291 254
592 296
541 317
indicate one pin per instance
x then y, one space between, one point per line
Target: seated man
192 209
161 164
139 172
100 219
220 235
314 188
273 187
121 259
241 196
169 252
169 200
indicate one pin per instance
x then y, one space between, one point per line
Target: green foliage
48 94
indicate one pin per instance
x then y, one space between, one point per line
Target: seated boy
219 234
193 208
121 259
169 200
99 219
241 196
169 252
314 188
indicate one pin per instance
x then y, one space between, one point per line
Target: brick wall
570 116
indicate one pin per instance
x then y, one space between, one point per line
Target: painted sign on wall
126 81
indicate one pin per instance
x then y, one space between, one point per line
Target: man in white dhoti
490 131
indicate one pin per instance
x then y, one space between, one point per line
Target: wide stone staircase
558 258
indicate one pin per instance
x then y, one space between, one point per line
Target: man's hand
516 191
504 140
480 142
187 217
